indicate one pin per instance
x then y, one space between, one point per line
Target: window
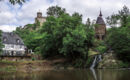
97 36
12 46
5 39
18 41
20 47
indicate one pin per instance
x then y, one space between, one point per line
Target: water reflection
68 75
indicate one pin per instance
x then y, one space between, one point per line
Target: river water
108 74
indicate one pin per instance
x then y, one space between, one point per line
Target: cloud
7 28
20 15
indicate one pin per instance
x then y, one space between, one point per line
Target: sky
12 16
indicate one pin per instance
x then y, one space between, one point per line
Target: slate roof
11 38
100 19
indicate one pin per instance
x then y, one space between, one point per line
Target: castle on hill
40 18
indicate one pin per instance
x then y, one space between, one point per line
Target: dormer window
18 41
5 39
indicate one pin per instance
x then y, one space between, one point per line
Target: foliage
120 18
30 38
55 11
16 1
66 36
62 35
89 61
100 46
1 45
118 40
124 64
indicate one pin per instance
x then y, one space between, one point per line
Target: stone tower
40 18
100 29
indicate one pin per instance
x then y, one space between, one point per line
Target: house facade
13 45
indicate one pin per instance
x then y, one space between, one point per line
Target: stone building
40 18
100 28
13 45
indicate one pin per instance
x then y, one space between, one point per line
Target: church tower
40 18
100 28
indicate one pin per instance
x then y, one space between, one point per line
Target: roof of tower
39 12
100 13
100 19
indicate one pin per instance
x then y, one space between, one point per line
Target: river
108 74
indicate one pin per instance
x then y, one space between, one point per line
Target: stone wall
100 31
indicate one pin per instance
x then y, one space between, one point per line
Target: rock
109 61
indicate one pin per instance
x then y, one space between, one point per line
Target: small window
5 39
12 46
97 36
20 47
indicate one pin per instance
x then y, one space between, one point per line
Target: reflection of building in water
100 28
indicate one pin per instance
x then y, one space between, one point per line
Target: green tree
55 11
61 35
16 1
90 32
121 18
64 36
118 39
1 44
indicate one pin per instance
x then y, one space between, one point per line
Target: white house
13 45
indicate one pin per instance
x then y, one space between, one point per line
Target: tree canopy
62 35
15 1
118 38
55 11
120 19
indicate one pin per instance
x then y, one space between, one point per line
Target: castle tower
40 18
100 29
39 14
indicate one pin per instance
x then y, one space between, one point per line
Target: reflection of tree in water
101 74
49 75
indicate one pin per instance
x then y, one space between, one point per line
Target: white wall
13 47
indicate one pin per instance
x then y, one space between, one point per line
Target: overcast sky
19 15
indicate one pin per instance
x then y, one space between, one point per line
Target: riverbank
110 61
28 66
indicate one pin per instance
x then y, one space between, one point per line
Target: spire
100 13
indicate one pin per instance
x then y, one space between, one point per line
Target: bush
124 65
119 41
100 46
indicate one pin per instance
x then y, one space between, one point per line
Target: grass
91 52
8 68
